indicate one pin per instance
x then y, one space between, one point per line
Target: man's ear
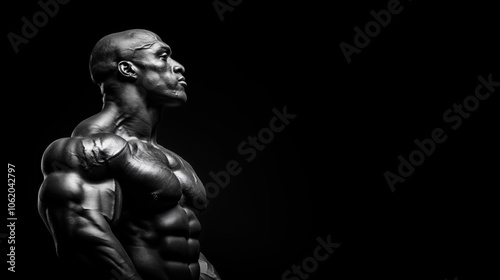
127 69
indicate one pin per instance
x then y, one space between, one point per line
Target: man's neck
132 120
125 113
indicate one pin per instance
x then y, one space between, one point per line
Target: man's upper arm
77 177
79 199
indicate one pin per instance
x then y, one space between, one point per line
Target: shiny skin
150 188
115 201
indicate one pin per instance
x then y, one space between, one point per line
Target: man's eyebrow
165 48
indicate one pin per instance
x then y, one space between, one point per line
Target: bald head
116 47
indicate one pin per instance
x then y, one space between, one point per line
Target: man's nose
178 68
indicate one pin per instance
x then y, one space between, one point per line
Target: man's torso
146 192
156 226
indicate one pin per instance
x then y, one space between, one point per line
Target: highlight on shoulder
89 156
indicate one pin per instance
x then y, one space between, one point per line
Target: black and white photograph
244 140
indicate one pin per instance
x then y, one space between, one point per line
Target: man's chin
178 101
174 99
181 98
173 105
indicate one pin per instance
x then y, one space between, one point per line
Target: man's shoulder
175 160
98 144
69 164
83 153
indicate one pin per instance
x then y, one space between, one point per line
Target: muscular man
119 205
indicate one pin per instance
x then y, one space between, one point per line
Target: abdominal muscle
163 245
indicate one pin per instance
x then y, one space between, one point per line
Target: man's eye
164 56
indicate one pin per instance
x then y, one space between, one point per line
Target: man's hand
207 270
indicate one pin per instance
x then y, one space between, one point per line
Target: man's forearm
87 235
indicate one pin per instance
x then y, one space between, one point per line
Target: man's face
160 75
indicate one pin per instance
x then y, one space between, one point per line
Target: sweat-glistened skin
119 205
102 184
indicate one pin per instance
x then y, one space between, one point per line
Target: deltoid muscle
117 203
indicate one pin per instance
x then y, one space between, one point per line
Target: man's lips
182 81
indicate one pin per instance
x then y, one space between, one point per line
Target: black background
321 176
